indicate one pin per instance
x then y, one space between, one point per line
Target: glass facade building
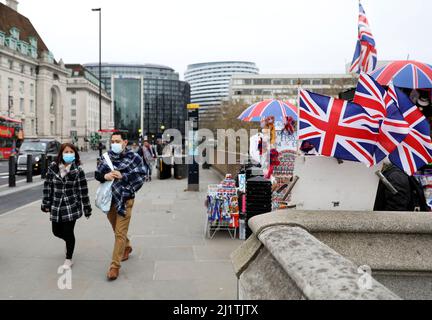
147 97
127 106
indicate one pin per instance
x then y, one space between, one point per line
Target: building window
73 92
73 112
73 102
21 108
32 127
10 84
73 123
32 71
52 127
21 87
22 67
10 62
56 76
31 89
32 106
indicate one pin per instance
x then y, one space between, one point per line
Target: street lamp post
100 74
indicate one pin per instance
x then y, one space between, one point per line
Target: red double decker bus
11 137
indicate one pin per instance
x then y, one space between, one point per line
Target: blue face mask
68 157
117 148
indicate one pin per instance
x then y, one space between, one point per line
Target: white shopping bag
104 193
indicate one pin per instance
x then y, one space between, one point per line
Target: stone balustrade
316 255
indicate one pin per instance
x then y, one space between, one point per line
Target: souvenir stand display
286 146
283 174
255 183
222 208
425 179
423 98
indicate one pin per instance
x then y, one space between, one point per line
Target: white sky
280 36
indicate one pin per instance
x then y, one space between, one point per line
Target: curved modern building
147 98
210 82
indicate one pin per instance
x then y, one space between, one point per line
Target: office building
210 82
146 99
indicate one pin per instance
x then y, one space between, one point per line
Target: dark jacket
410 194
65 197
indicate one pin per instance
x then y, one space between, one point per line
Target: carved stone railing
317 255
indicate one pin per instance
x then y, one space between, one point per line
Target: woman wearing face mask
65 195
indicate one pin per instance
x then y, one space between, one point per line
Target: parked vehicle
36 147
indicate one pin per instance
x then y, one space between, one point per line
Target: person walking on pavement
149 157
65 195
128 176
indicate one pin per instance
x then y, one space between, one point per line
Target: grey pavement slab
171 257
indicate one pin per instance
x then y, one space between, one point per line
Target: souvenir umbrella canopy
277 108
405 74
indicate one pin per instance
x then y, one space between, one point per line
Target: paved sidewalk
171 259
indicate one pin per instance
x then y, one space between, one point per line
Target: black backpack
418 199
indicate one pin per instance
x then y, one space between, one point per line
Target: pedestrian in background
128 176
135 147
65 196
148 154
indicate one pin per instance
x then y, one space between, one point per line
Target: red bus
11 136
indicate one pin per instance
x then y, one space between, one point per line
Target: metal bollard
43 166
12 165
29 168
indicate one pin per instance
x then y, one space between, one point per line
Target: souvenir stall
222 208
285 151
414 79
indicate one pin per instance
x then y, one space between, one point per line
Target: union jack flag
380 105
337 128
416 150
365 56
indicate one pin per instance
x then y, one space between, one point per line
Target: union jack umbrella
277 108
365 56
416 150
337 128
380 105
405 74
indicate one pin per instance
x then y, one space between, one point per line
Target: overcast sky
280 36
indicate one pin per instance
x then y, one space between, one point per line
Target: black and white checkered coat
65 197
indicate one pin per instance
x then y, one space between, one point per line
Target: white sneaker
68 264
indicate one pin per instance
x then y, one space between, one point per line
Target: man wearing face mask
128 175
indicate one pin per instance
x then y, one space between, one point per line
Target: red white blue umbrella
405 74
277 108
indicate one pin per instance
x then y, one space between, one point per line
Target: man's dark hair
120 133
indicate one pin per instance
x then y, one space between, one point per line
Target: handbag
104 192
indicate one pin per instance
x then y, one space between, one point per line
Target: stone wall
295 245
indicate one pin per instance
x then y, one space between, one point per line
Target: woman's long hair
60 154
